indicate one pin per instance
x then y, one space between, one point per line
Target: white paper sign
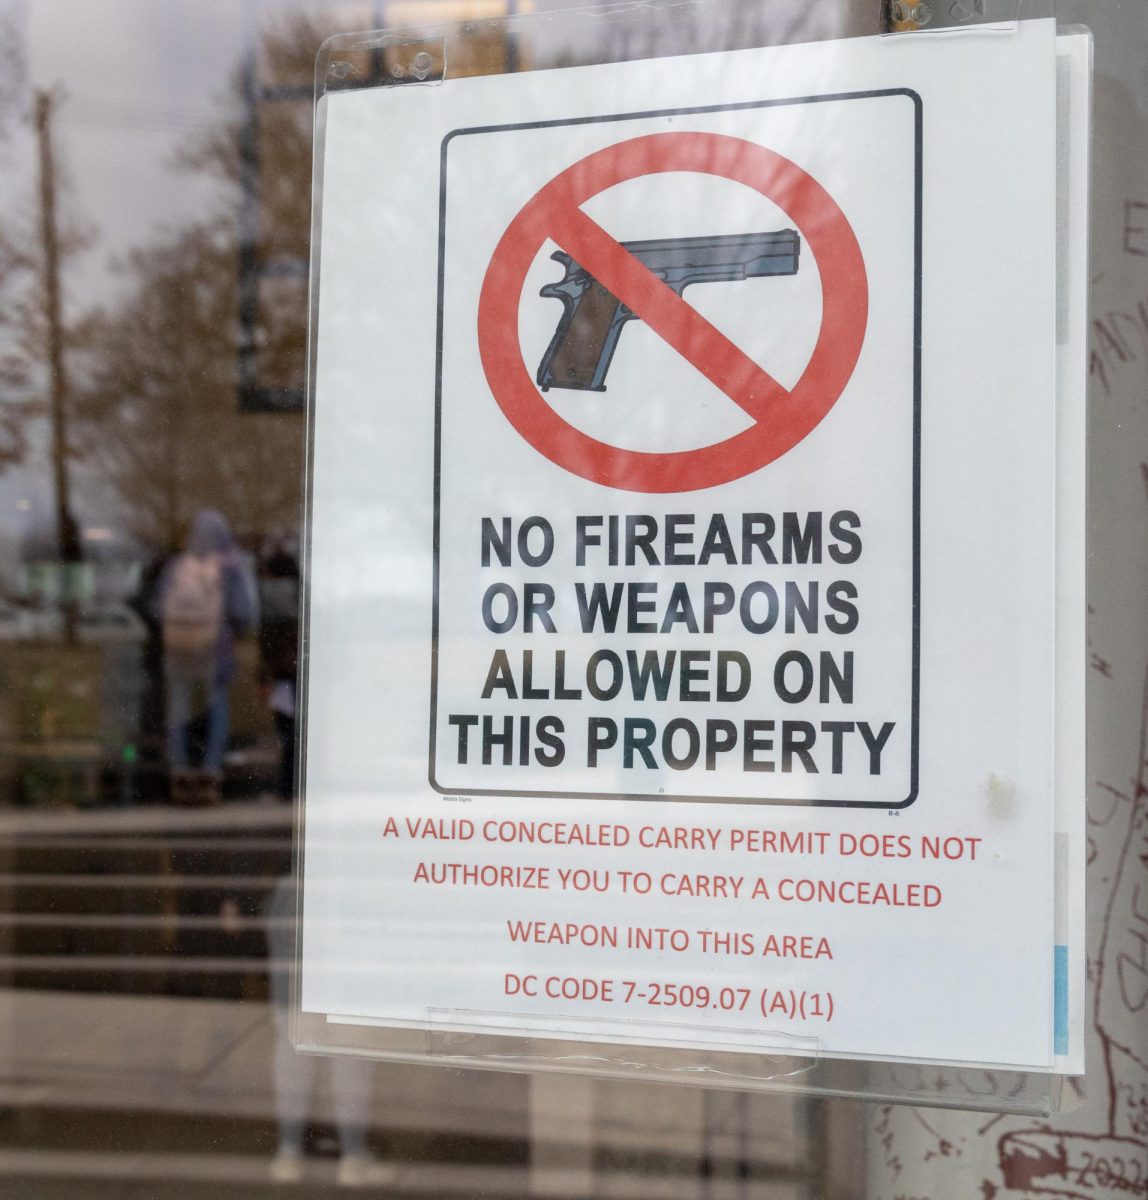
712 597
683 553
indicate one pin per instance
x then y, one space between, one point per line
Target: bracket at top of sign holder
952 16
422 55
427 57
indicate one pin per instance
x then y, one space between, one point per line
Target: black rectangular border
914 742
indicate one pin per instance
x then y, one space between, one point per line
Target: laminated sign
694 579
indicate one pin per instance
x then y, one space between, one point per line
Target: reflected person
203 603
352 1079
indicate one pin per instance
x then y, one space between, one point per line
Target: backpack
193 604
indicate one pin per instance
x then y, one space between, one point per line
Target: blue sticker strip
1060 1000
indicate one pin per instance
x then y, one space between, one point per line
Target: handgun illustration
580 351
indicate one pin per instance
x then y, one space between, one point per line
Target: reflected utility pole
67 533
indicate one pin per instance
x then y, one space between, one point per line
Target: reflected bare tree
160 399
274 125
161 403
17 270
17 403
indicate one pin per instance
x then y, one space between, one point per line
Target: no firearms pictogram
781 417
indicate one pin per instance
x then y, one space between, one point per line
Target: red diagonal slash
781 418
721 361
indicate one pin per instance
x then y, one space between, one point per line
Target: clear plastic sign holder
400 64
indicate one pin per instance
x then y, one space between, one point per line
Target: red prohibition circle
782 418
